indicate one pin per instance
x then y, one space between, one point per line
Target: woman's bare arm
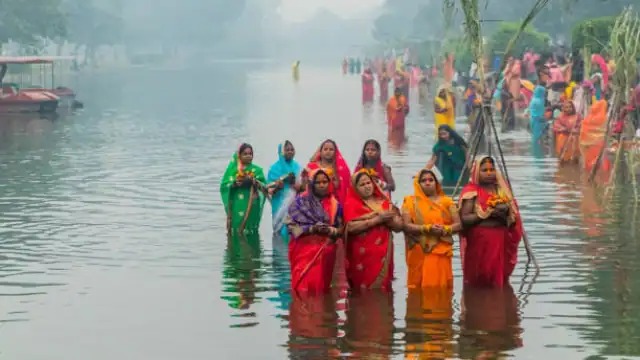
397 224
391 183
409 227
467 213
432 162
356 227
456 226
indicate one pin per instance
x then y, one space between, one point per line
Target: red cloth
307 274
369 328
312 318
302 250
489 254
342 169
397 110
490 317
371 252
384 88
367 87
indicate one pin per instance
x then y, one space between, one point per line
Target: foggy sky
301 10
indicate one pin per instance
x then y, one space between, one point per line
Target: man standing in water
397 110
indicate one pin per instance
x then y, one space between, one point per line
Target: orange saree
429 257
592 134
567 129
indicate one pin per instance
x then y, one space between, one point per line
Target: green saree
451 158
243 204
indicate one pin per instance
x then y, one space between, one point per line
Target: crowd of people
338 221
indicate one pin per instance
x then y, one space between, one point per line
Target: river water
112 241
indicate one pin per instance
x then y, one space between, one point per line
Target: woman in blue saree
537 120
283 173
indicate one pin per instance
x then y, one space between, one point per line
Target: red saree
340 172
312 256
369 254
489 254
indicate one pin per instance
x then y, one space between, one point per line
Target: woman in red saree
314 221
492 227
329 158
370 218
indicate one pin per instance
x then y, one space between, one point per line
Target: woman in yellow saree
431 218
444 109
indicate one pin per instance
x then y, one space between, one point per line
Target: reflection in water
612 280
241 273
281 273
396 140
489 322
429 333
313 326
369 328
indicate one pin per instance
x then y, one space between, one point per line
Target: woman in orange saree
314 221
567 129
430 219
492 227
370 218
329 158
592 134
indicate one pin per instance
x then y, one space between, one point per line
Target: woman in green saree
243 192
449 155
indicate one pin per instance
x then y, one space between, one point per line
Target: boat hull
29 102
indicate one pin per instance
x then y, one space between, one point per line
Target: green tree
530 38
594 34
28 21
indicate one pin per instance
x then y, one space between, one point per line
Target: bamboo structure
624 48
485 132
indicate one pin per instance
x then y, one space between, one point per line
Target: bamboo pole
474 36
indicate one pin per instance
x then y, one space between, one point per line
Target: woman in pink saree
367 86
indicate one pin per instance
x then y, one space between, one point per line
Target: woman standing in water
449 155
314 221
243 192
430 219
283 173
370 218
567 130
329 158
371 160
537 109
444 108
492 227
367 85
